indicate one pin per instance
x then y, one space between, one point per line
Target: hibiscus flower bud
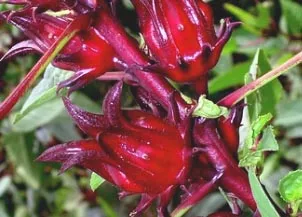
181 37
87 54
134 150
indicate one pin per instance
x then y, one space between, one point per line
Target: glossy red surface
87 54
181 37
134 150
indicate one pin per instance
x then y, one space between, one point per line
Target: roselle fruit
161 148
87 54
134 150
181 37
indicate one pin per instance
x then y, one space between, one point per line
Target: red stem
236 96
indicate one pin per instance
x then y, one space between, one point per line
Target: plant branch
246 90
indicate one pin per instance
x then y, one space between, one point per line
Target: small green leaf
95 181
290 187
208 109
44 91
268 141
251 159
264 205
256 128
251 153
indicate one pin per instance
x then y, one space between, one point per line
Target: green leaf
265 99
96 181
44 91
293 16
40 116
50 111
256 128
253 23
289 113
251 159
263 18
20 152
268 141
251 153
264 205
290 187
208 109
248 19
107 208
233 77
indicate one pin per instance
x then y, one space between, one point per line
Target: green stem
233 98
7 105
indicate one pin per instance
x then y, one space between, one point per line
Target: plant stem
233 98
7 105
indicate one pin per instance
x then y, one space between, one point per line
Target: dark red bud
134 150
234 179
167 24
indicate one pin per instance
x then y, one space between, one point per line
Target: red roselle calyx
87 54
234 179
145 153
134 150
181 37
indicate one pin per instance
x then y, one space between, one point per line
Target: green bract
208 109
